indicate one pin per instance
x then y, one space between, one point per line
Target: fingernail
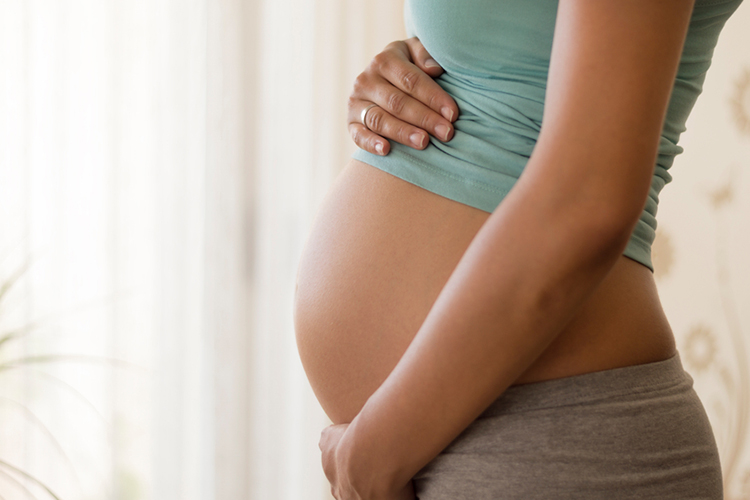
379 147
442 131
431 63
417 139
447 113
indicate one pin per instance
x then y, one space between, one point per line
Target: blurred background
160 165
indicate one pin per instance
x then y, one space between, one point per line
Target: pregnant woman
475 308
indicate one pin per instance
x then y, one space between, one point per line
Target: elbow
586 252
594 228
610 228
599 194
606 211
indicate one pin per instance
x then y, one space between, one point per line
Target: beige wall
702 247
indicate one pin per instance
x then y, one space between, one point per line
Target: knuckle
360 83
360 138
396 102
409 80
375 117
396 44
380 62
404 135
425 121
433 100
350 102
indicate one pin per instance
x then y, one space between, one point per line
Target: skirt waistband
666 375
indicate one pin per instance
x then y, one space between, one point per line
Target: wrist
370 470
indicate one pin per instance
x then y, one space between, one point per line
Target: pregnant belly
379 252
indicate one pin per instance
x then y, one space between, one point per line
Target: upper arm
612 69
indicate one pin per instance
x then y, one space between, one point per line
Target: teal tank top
496 56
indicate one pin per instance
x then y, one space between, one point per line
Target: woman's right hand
410 104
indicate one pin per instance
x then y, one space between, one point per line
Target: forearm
532 264
544 250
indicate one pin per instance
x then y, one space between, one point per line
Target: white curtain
160 165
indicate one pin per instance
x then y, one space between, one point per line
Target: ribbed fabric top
496 56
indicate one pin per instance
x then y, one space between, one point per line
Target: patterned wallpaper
701 250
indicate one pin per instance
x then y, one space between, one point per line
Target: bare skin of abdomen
379 253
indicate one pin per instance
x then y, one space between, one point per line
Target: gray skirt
635 432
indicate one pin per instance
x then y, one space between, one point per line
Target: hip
633 432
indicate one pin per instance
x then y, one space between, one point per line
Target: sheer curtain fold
309 55
162 161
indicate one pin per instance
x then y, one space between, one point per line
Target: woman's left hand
341 485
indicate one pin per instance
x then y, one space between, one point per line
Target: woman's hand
335 470
410 104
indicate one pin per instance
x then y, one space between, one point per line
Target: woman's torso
377 257
382 248
496 56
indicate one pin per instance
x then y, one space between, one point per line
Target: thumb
422 59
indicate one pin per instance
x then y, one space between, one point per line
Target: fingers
396 68
410 104
382 123
398 116
367 140
422 58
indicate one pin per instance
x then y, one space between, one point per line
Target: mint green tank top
496 56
